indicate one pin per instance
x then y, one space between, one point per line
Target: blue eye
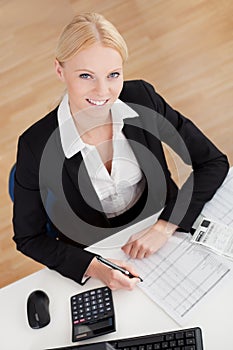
85 76
114 75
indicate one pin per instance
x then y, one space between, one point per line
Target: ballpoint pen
116 267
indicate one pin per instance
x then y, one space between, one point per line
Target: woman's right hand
114 279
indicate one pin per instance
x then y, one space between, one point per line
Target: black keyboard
185 339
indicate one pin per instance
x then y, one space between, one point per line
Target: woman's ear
59 70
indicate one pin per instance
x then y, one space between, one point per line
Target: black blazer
43 172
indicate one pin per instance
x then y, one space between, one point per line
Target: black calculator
92 313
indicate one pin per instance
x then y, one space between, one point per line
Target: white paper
220 208
215 236
179 276
218 236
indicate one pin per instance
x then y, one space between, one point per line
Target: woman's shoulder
138 91
43 127
38 134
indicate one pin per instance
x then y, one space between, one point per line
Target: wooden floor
184 48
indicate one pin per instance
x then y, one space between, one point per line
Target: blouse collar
70 137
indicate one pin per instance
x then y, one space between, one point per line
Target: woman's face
94 79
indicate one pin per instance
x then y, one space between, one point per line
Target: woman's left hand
147 242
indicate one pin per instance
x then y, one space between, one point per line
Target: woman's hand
114 279
147 242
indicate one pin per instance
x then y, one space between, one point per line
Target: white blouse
119 190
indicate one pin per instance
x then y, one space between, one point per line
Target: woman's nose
102 88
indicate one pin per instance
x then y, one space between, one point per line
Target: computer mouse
38 309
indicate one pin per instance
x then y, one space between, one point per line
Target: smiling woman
90 83
99 156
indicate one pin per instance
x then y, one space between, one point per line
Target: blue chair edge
11 184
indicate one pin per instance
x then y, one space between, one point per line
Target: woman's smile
94 102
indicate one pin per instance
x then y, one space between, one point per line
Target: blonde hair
85 30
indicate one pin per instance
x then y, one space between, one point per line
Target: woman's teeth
97 103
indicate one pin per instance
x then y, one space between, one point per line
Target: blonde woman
99 156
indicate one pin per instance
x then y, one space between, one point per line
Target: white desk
135 313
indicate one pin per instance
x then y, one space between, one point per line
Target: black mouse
38 309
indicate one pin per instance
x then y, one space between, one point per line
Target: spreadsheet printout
179 276
220 208
214 227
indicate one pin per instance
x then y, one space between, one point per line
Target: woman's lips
97 102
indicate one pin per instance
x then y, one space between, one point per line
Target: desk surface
136 314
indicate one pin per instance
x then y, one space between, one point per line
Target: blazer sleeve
209 165
30 219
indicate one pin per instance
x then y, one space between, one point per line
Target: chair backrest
11 184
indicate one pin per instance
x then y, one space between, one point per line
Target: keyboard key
189 334
169 336
179 335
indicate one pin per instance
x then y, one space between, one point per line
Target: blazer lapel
80 191
148 151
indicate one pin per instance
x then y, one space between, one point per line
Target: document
215 236
179 276
214 230
220 208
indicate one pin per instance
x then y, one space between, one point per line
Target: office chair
11 183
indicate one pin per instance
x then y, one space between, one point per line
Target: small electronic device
92 313
182 339
38 309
